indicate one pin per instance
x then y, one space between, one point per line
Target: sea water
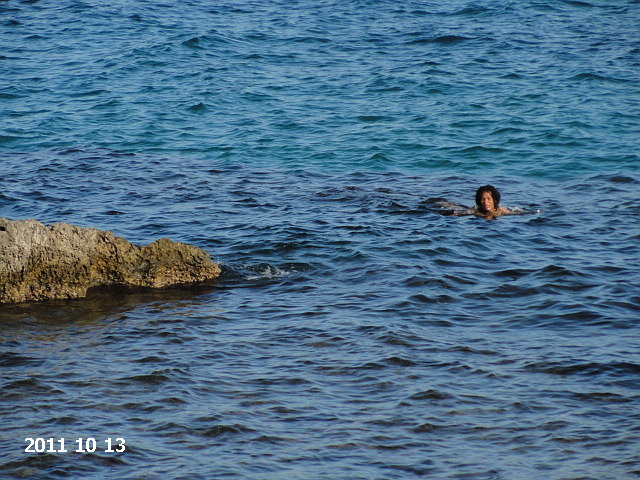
355 333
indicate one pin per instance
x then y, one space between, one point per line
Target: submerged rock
65 261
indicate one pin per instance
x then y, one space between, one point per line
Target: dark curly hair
494 193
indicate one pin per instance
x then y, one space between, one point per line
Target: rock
65 261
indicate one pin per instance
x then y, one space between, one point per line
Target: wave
614 369
597 77
441 40
11 359
471 10
205 41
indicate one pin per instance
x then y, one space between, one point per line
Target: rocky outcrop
65 261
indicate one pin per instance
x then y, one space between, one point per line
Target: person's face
486 202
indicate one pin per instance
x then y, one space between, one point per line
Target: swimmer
488 203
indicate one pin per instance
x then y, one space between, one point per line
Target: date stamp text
78 445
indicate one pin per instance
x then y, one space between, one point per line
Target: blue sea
356 331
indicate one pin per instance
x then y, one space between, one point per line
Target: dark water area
356 332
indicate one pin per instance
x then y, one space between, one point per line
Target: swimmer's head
487 198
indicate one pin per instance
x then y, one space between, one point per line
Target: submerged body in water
445 207
487 205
